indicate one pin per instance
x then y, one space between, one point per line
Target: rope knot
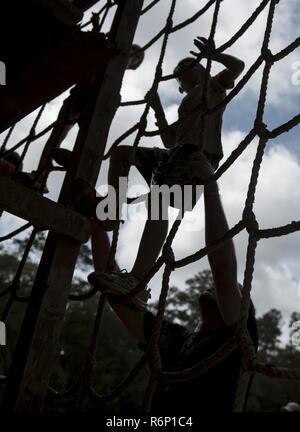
158 75
261 129
250 221
169 23
95 20
168 256
143 124
246 349
155 360
268 55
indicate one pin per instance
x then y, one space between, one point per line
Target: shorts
153 164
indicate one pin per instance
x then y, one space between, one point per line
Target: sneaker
118 284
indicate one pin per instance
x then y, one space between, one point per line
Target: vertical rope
15 285
6 139
244 340
143 119
31 135
90 362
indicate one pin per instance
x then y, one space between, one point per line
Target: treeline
117 352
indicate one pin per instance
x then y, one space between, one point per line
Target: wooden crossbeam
84 4
64 10
42 212
79 55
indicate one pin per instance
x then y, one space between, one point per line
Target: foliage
117 351
182 305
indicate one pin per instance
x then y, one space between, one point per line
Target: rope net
83 387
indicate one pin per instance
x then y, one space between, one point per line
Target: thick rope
15 284
243 337
15 232
150 6
6 139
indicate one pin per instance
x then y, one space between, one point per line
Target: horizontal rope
134 373
202 367
84 296
150 6
279 231
30 138
276 372
15 232
129 103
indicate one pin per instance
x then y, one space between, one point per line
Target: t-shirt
188 131
214 390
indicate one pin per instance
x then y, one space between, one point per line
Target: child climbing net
242 341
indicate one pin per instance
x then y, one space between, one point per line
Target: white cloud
232 16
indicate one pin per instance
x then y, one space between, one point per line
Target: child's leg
119 165
153 238
100 247
143 160
155 231
58 134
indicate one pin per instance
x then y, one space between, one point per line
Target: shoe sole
114 290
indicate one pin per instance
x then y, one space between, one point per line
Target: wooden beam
63 10
28 376
42 212
84 4
80 54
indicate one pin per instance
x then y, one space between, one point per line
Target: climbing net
83 387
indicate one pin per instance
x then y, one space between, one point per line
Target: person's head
210 314
136 57
189 73
13 158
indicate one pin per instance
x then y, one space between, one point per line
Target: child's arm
223 260
167 132
234 66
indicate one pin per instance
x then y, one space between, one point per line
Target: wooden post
42 212
28 378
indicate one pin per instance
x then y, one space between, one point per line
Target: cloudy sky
277 275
